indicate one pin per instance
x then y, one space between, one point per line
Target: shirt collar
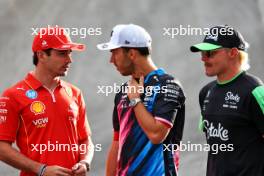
34 83
159 72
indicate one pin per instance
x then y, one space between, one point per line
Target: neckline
230 80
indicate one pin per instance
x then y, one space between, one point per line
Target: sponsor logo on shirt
73 110
32 94
172 81
208 94
231 100
206 100
2 119
41 123
4 98
20 88
37 107
2 104
171 90
124 104
231 96
73 107
216 131
3 111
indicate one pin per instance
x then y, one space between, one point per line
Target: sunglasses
211 53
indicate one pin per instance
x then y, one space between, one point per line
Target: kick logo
217 132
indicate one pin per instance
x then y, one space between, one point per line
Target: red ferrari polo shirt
46 125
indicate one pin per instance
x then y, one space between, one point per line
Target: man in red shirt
45 115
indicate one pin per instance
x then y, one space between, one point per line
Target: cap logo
65 46
44 43
127 42
105 45
212 37
241 46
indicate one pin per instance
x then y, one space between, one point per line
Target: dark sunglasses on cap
210 53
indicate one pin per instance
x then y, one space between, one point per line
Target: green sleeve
201 124
258 93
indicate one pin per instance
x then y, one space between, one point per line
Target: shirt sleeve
115 116
170 98
83 126
9 117
202 95
257 108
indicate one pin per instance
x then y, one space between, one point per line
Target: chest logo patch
40 123
216 131
32 94
37 107
231 100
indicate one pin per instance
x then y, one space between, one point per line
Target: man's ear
41 55
132 54
233 52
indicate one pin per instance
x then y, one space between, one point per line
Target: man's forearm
111 163
87 154
145 119
155 130
11 156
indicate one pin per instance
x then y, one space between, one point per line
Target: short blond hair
244 60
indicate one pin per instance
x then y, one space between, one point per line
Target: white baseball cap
127 35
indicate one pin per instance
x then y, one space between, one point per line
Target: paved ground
92 68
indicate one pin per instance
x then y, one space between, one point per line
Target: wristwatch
133 102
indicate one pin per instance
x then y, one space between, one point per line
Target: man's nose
112 59
204 58
69 58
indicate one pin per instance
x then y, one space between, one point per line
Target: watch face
132 102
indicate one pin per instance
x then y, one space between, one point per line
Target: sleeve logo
32 94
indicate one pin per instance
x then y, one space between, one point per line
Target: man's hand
57 171
135 89
79 169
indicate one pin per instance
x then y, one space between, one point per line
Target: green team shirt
233 119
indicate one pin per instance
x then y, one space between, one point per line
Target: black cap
222 36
